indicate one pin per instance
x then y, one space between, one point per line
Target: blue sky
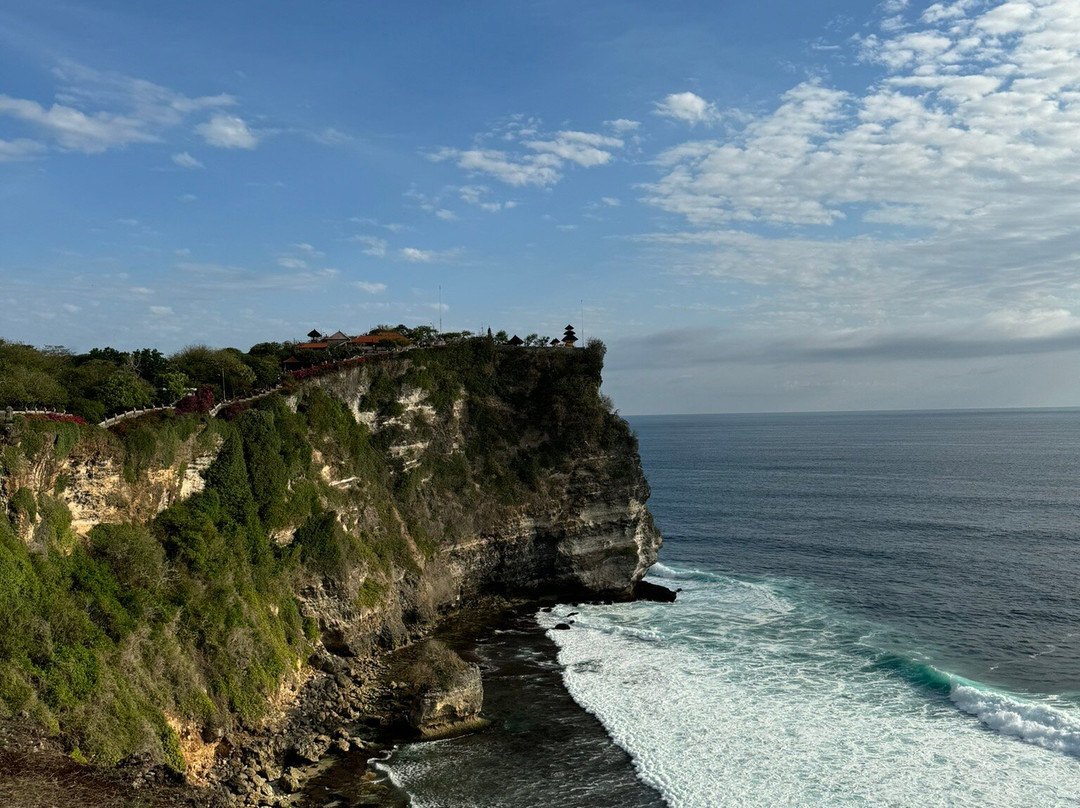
769 206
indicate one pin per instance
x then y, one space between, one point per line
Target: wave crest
1038 724
1007 714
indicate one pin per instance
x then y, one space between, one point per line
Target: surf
752 692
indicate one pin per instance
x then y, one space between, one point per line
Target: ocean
876 609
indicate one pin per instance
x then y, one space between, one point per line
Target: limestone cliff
213 562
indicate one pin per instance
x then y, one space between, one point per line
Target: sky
769 206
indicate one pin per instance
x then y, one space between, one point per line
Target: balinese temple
569 337
516 340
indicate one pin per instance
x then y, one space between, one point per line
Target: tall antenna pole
440 308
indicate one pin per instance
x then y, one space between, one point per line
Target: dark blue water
959 529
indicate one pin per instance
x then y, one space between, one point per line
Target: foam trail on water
663 571
753 694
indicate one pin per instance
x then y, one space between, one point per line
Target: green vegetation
105 381
195 614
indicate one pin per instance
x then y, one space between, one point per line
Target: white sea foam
1038 724
746 695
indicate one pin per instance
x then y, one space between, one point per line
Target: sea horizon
913 411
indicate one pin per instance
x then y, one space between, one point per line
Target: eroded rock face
90 482
585 531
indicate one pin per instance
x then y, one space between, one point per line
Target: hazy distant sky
771 205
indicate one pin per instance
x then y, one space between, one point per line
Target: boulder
444 694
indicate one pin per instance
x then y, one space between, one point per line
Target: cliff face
333 522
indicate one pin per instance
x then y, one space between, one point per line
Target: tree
126 391
423 334
204 365
24 387
149 363
267 369
29 377
108 354
228 476
274 349
171 385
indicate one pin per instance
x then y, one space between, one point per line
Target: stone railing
254 397
8 414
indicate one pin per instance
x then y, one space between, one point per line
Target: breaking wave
754 693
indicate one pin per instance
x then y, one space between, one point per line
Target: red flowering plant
202 400
58 417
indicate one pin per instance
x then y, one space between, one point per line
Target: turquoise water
876 610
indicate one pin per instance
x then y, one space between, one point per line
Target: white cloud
584 148
418 256
432 204
476 195
185 160
623 126
531 169
22 149
370 288
393 227
688 107
228 132
936 206
161 311
212 279
372 245
95 111
331 137
611 201
542 165
75 130
291 262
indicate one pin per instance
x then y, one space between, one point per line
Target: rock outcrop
442 693
406 490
